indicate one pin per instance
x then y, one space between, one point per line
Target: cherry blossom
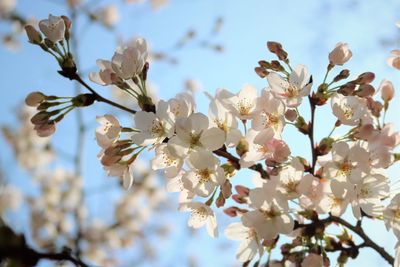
201 215
205 173
348 109
291 182
270 216
193 133
243 104
270 113
53 28
166 161
292 89
250 244
340 55
154 128
109 130
394 60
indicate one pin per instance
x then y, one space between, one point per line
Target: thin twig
99 97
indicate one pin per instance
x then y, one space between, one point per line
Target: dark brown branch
367 241
31 257
98 97
222 152
311 135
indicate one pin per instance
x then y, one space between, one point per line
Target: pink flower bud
34 99
33 35
232 211
291 115
394 60
45 130
387 90
340 54
242 190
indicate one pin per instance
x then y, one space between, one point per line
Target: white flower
105 76
223 119
193 133
201 215
340 54
53 28
165 160
366 195
290 180
109 15
250 244
129 61
394 60
391 215
292 90
123 171
182 105
109 130
154 128
263 145
271 215
348 109
270 113
243 104
381 145
321 199
205 173
347 163
387 90
6 6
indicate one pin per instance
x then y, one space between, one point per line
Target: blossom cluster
201 154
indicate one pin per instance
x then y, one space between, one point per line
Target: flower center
204 176
157 128
244 106
292 91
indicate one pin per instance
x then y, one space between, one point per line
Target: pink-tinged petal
213 138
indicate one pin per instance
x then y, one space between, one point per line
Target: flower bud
387 90
301 125
365 78
232 211
226 189
220 202
34 99
277 49
242 147
242 190
46 129
291 115
33 35
344 74
365 90
394 60
340 54
261 72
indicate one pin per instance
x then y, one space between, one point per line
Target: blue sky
307 29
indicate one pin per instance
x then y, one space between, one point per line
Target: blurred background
197 45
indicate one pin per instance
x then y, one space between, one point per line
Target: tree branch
311 135
98 97
31 257
222 152
367 241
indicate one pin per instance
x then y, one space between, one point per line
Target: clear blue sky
307 29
